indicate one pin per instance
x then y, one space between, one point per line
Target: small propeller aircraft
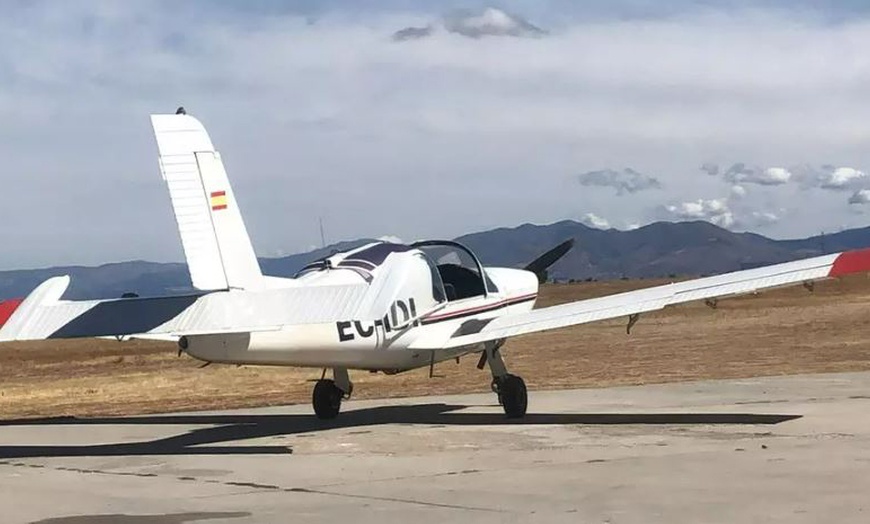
382 307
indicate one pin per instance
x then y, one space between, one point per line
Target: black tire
326 399
513 396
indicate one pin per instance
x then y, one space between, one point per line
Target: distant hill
656 250
659 249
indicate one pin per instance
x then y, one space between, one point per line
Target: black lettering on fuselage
384 323
364 333
350 329
343 327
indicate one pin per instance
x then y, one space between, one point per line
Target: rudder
216 244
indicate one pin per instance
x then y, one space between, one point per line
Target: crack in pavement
257 487
395 499
407 477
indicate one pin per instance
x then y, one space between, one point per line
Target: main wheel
513 396
326 399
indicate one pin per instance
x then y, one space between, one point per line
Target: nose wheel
511 389
512 395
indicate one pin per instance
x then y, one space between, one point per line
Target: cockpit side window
458 269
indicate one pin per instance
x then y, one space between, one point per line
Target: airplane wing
655 298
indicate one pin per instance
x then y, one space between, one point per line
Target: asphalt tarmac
784 449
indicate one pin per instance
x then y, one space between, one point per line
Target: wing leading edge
655 298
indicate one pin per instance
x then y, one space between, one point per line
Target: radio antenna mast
322 236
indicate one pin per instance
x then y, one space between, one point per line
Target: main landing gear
328 394
511 389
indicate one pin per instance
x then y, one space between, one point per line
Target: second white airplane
381 307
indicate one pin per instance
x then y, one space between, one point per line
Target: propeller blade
540 265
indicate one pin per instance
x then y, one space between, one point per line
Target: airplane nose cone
513 282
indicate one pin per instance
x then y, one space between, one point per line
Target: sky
409 119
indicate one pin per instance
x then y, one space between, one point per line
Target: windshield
458 268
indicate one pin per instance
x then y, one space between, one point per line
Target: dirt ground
779 332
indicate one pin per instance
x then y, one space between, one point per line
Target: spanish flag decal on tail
218 200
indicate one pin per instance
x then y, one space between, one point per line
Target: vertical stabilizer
216 243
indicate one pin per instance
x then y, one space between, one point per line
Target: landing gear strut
511 389
328 394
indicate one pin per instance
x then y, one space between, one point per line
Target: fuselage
429 291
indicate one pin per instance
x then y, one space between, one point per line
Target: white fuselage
386 344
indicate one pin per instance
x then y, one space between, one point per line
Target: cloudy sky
431 119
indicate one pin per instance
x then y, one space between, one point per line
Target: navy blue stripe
471 327
125 317
376 254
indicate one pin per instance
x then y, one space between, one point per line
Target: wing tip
851 262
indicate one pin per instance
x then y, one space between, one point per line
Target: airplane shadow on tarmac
224 428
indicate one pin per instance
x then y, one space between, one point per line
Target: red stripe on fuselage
7 308
851 262
480 309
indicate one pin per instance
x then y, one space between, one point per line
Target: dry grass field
779 332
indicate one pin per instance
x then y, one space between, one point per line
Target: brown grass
780 332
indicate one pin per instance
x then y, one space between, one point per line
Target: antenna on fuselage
322 236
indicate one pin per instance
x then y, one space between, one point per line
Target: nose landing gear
511 389
512 395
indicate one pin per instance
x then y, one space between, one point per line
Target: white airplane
381 307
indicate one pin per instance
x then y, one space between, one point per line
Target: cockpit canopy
459 269
456 272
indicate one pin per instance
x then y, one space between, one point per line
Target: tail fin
216 244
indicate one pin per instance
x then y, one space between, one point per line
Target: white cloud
474 24
862 196
775 176
738 192
761 219
593 220
624 181
715 211
391 238
490 22
831 177
842 178
743 174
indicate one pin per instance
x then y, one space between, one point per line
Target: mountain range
657 250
